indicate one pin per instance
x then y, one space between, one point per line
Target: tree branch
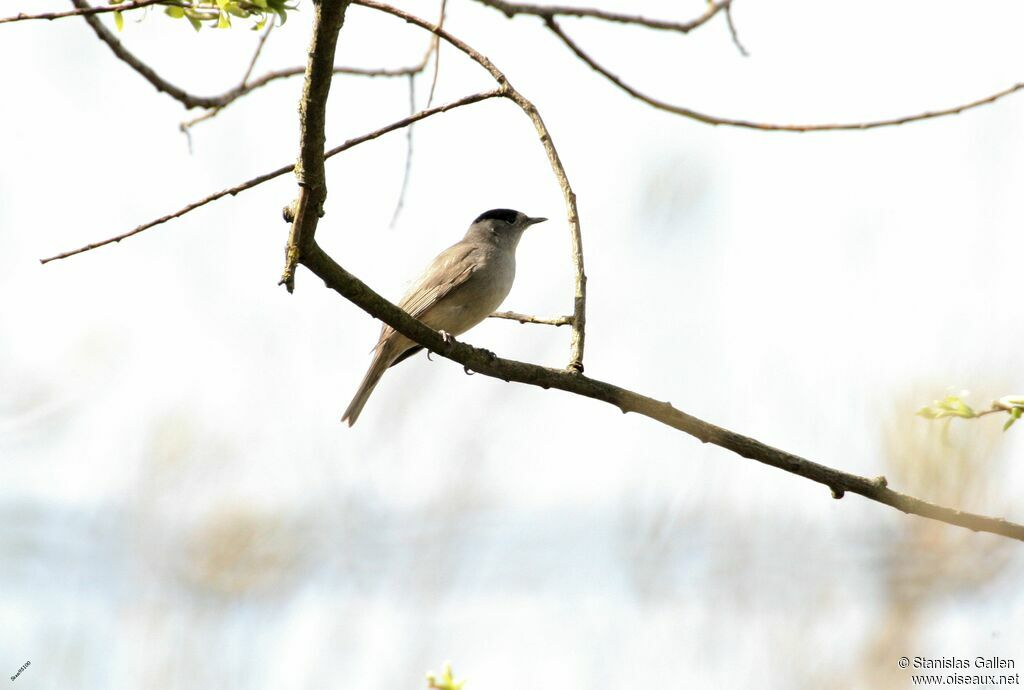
526 318
328 16
190 100
765 126
580 280
229 97
433 48
733 33
186 126
484 362
511 9
83 11
260 179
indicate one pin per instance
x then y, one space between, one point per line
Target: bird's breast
477 298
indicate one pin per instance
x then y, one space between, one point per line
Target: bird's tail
382 359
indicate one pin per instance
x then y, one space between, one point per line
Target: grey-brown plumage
462 286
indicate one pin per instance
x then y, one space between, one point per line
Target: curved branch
190 100
484 362
580 282
147 72
511 9
765 126
249 184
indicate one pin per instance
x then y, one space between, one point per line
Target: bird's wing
449 270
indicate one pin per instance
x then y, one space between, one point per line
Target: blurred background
180 507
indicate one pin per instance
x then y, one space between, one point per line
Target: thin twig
437 53
147 72
432 47
765 126
190 100
408 156
84 11
249 184
256 53
580 283
186 126
526 318
484 362
511 9
733 33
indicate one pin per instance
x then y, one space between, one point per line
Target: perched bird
460 288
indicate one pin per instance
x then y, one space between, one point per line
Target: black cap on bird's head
507 215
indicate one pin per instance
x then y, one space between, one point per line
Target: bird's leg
448 339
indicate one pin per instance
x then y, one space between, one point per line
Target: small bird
462 286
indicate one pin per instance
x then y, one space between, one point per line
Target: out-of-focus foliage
218 13
446 681
954 406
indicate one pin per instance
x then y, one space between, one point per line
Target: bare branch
580 282
190 100
511 9
83 11
733 33
148 73
328 17
407 168
437 53
229 97
526 318
249 184
434 48
765 126
186 126
484 362
256 53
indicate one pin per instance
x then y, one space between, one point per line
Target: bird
462 286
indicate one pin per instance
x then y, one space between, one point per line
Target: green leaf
174 11
1014 416
957 407
223 4
224 21
262 4
196 24
950 406
119 21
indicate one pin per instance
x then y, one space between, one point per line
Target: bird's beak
534 221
